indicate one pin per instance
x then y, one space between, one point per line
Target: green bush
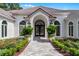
57 43
76 53
66 48
68 44
27 31
76 45
7 52
7 42
51 29
21 44
72 50
11 49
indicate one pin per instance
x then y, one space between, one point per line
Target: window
58 28
4 29
70 29
21 26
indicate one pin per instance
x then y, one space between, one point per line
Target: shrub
7 52
76 45
10 48
68 44
6 42
2 44
66 48
26 31
57 43
72 50
12 51
51 29
76 53
21 44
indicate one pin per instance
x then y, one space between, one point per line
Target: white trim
68 29
60 28
46 20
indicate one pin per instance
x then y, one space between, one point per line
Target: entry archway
39 28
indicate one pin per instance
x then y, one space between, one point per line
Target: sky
63 6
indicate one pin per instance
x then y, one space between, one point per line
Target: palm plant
51 30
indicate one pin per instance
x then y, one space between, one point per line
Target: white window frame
70 26
4 34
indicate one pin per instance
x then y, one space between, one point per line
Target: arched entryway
39 28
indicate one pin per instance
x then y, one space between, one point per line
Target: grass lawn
69 47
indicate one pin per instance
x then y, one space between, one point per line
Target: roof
51 11
6 14
29 11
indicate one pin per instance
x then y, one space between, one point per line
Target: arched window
22 24
4 29
57 28
70 29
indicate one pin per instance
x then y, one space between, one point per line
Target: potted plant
51 30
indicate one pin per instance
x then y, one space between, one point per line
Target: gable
40 10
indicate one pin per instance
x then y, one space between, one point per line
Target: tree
10 6
3 5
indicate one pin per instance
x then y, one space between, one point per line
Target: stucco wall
10 28
72 18
42 16
13 27
19 18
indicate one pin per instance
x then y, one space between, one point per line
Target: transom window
4 29
22 24
57 24
70 29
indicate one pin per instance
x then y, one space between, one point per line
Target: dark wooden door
39 28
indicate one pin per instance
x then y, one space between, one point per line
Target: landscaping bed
68 47
10 47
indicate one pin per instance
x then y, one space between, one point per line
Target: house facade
12 22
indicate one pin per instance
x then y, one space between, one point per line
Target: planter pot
51 38
27 35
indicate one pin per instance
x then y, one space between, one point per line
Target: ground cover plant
67 46
10 47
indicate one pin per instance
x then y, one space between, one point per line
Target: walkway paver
40 48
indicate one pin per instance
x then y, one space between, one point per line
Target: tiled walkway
40 47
